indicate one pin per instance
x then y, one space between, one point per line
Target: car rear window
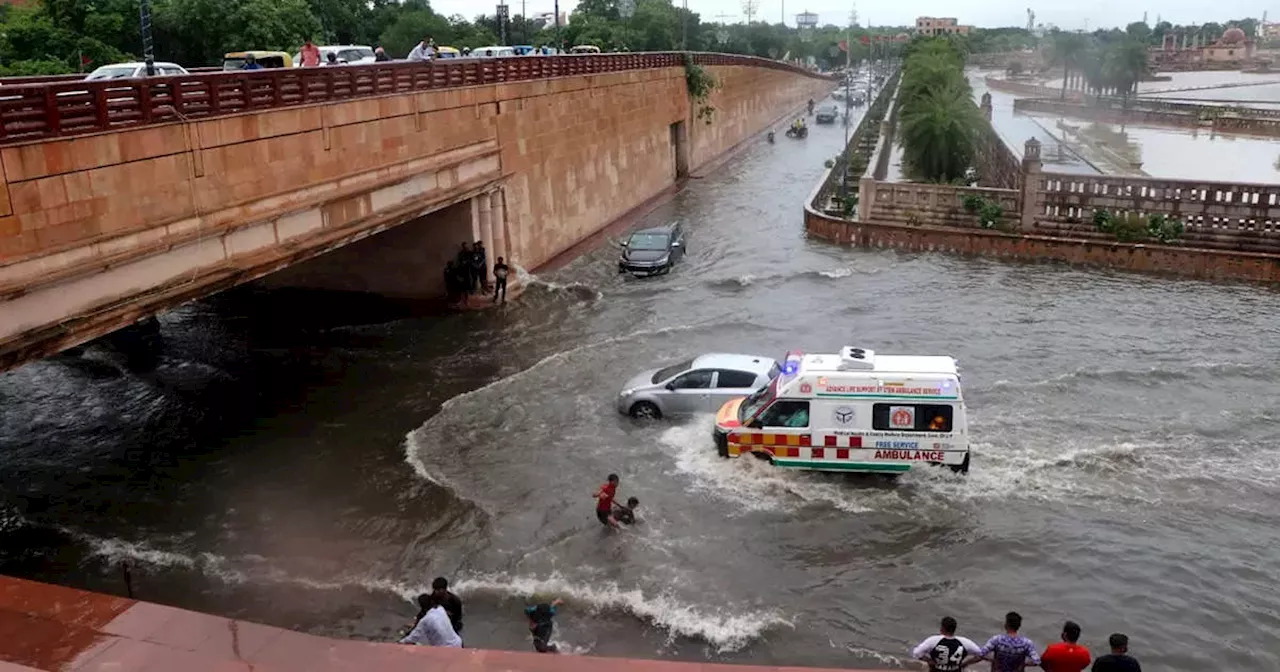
670 371
730 378
648 241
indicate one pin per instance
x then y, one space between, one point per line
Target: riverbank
53 628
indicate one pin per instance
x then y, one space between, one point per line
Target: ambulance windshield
758 400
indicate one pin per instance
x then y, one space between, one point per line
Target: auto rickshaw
447 52
585 49
267 59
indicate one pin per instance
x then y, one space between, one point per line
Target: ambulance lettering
898 444
911 455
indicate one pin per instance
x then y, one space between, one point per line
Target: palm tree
1067 51
1125 64
938 132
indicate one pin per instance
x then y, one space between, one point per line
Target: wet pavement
311 461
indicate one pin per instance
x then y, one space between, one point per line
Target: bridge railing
32 111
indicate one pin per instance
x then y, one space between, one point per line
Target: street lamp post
684 27
148 51
848 62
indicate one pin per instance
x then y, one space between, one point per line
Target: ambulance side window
785 413
911 417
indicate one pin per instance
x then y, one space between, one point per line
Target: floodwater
312 461
1166 152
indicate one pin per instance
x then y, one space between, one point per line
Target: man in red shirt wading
1067 655
604 501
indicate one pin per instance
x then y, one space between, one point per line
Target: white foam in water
725 631
530 280
837 273
755 484
413 440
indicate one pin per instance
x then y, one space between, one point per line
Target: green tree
185 25
1138 31
1066 50
937 119
410 28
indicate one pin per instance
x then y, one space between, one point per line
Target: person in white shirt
434 628
425 51
945 652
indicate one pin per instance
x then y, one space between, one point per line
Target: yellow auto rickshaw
267 59
447 52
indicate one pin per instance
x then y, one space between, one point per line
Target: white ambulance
852 411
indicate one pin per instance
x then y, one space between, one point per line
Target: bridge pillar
484 230
499 215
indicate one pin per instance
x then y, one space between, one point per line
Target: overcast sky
1072 15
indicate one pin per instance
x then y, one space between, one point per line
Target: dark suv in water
652 251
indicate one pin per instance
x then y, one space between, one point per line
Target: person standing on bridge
425 51
251 63
310 54
380 55
500 272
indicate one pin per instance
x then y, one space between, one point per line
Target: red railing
60 108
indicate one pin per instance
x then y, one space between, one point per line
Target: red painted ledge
55 629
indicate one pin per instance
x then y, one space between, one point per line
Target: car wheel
722 445
645 411
963 467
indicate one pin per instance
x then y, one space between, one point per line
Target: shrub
1164 229
972 202
990 214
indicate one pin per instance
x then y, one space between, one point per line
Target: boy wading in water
604 501
541 624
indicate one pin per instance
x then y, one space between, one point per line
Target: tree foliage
937 119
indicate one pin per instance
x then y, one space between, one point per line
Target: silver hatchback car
698 385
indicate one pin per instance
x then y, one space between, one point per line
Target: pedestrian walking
542 624
1067 655
479 260
945 652
310 54
1009 652
1119 659
500 272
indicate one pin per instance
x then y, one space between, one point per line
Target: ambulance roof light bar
857 359
791 362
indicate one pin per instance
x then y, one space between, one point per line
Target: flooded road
313 461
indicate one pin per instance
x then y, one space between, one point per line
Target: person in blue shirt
251 63
541 624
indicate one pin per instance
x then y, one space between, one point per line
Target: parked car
699 385
347 53
652 251
827 114
492 52
129 70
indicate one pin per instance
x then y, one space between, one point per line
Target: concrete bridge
121 199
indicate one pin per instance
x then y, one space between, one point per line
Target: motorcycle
798 133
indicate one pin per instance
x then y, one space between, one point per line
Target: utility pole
524 23
148 51
848 74
559 44
749 8
684 27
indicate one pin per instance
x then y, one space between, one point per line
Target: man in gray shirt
425 51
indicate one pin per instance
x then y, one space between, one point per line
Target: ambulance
853 411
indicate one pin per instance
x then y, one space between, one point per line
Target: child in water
541 624
626 514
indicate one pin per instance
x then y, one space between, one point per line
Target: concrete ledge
56 629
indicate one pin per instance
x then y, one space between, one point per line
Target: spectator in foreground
433 628
1067 655
500 271
1009 652
945 652
1119 659
542 624
310 54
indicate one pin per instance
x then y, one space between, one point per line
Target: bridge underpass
124 199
